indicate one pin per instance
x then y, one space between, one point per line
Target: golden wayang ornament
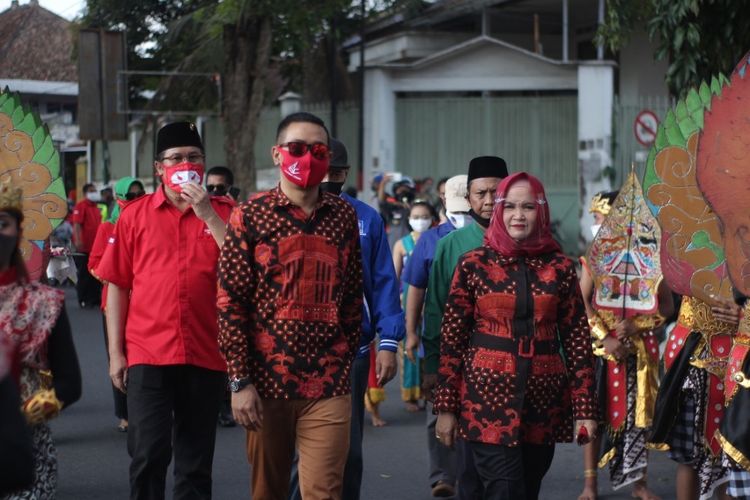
29 163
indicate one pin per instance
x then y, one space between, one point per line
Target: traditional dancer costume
722 169
623 261
33 323
690 403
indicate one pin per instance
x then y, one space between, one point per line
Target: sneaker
441 489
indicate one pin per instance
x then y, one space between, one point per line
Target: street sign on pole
645 126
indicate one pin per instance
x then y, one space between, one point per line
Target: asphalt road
93 461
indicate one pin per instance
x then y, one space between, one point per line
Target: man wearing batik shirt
290 312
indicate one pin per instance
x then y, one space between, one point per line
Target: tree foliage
249 42
698 38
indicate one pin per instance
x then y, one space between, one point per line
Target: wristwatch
237 384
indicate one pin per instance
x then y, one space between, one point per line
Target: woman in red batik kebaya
516 370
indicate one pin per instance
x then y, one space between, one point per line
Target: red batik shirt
505 391
290 296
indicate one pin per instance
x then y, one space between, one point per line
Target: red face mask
175 176
304 171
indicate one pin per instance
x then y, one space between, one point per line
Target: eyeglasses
133 196
217 189
192 158
319 150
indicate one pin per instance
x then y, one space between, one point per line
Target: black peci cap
177 135
487 166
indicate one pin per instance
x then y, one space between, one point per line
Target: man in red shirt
160 265
290 313
86 219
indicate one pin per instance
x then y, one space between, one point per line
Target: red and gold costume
35 331
689 404
623 262
722 174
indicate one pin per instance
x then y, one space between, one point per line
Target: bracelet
598 328
589 473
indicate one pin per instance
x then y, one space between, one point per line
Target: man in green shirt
485 173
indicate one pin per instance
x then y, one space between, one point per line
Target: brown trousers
320 431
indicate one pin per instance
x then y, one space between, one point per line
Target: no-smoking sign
645 127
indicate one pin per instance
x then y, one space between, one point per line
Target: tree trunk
247 51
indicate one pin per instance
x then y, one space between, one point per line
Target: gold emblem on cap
192 126
10 196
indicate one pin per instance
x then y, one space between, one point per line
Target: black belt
526 346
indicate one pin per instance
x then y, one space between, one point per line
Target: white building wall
595 100
640 75
380 126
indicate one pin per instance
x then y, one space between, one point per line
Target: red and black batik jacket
290 296
515 352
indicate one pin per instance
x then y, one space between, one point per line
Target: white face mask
595 229
93 196
420 225
459 220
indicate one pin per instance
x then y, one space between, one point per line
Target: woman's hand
613 347
589 425
429 381
446 428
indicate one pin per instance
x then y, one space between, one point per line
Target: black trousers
512 472
121 400
470 485
168 406
88 288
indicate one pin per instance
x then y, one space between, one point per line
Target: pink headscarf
540 241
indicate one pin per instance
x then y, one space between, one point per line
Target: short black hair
86 187
301 117
223 171
442 181
104 190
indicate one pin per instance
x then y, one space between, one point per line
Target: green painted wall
437 136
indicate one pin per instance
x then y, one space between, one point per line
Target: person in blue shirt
382 316
416 274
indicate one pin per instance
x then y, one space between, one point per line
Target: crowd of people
288 313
